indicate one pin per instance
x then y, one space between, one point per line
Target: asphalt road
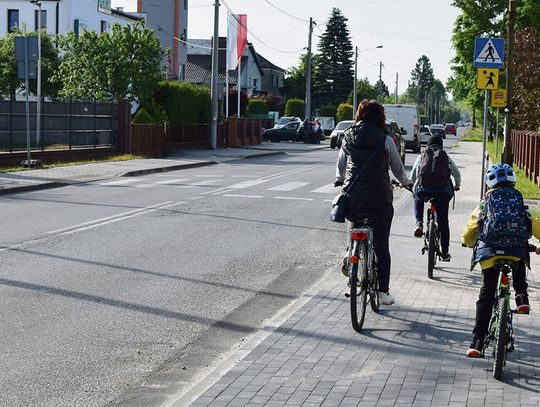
127 291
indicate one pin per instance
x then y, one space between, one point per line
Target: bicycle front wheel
499 345
432 233
359 285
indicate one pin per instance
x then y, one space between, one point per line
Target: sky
278 29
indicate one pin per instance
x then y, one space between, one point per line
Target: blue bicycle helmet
499 173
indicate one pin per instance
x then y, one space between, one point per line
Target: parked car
425 134
407 117
288 132
450 128
395 132
437 130
336 136
282 121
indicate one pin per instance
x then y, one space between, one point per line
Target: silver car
425 134
337 134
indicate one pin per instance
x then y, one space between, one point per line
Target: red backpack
434 170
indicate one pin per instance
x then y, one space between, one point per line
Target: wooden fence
526 149
155 140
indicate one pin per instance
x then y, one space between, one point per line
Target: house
199 66
168 18
273 76
62 16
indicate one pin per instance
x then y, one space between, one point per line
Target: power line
287 14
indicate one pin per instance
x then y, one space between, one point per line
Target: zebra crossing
230 186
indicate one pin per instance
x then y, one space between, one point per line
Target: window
255 83
185 4
103 26
13 20
43 19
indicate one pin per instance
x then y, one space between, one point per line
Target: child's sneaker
419 231
522 304
475 348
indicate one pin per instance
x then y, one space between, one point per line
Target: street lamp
355 71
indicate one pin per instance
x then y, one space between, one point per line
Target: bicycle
363 279
432 237
500 331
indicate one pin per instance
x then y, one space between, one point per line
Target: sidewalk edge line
135 173
30 188
268 328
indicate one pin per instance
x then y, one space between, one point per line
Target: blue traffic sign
489 52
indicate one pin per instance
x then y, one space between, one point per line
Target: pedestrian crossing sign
487 78
498 98
489 52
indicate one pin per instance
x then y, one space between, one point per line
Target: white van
406 116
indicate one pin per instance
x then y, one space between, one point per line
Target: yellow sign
487 78
498 98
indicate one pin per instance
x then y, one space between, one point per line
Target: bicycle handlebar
397 184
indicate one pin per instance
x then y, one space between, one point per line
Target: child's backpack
434 170
505 222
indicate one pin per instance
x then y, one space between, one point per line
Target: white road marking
289 186
120 182
243 196
293 199
328 200
114 218
171 181
210 176
244 176
326 189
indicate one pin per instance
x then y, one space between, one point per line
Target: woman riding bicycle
499 228
368 186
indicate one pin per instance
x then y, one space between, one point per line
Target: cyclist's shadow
447 275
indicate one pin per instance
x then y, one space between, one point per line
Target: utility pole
214 83
380 79
38 93
307 107
354 85
507 155
397 79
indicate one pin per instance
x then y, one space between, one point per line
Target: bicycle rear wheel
432 231
499 344
359 285
374 288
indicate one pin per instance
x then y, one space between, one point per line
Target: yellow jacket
469 236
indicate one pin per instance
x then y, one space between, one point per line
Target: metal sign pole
497 136
484 139
27 90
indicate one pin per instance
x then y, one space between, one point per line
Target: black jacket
372 182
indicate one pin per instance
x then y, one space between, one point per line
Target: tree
294 84
125 63
364 90
333 67
481 18
9 82
294 107
382 89
422 78
233 103
274 102
257 105
344 112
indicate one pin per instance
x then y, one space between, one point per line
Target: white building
62 16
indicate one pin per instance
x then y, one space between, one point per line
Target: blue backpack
505 222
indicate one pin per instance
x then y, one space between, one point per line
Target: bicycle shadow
457 278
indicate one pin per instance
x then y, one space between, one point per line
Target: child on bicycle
431 177
499 228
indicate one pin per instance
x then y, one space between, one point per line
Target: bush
327 111
344 112
151 112
257 106
295 107
184 103
274 102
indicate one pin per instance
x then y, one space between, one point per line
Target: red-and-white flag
236 39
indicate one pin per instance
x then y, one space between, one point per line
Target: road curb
270 153
30 188
169 168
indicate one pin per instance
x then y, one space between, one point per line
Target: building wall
168 18
272 80
85 11
251 78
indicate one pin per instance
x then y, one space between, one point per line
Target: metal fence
65 125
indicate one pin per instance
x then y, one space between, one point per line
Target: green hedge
344 112
257 106
295 107
327 111
184 102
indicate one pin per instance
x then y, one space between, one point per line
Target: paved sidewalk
410 354
20 181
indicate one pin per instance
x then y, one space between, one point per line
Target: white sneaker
386 298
